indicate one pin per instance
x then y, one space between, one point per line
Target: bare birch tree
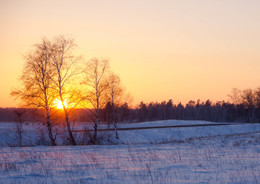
36 91
64 65
115 94
96 80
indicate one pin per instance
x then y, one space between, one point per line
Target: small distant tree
142 112
124 112
190 108
97 84
36 92
236 99
169 107
235 96
257 94
19 113
107 114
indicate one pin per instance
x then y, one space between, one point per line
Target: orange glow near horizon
179 50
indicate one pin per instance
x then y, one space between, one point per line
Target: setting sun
58 104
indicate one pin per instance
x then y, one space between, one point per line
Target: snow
215 154
35 133
181 134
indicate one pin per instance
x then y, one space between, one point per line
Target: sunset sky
179 49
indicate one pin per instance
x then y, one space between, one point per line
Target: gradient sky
180 50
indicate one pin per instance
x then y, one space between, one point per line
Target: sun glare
58 104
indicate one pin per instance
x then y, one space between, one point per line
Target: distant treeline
218 112
244 106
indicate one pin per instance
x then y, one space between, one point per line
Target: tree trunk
114 118
71 137
49 126
251 112
72 140
96 126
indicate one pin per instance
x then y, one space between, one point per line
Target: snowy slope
36 134
181 134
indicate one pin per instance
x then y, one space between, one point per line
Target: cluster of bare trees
103 86
250 100
53 74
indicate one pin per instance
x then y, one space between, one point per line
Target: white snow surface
214 154
36 133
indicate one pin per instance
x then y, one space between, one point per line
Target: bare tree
20 112
36 91
249 100
236 99
235 96
115 93
96 81
257 93
64 64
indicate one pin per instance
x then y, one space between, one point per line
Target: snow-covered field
36 134
221 154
